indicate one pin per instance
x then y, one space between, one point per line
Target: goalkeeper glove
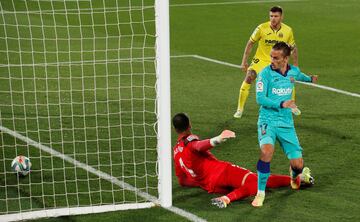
226 134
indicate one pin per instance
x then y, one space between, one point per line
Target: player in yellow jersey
266 34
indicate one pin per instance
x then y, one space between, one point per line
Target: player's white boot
259 200
238 114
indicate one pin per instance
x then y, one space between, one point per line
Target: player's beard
275 24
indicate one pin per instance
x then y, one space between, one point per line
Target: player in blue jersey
274 87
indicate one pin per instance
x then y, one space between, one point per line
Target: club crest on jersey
281 35
259 86
292 80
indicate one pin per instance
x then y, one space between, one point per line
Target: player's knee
267 151
297 163
250 76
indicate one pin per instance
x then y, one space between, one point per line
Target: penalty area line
238 66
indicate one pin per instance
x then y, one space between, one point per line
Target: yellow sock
243 95
293 94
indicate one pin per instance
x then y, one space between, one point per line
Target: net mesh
77 77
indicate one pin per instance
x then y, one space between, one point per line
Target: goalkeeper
196 166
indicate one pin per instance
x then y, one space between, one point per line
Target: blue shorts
287 138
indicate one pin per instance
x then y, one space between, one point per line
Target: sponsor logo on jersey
281 91
259 86
271 41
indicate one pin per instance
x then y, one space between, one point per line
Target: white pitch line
238 66
216 61
100 174
331 89
231 3
186 214
181 56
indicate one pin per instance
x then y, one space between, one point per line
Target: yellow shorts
257 65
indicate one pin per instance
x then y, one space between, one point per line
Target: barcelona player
196 166
266 34
274 87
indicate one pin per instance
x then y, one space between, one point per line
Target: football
21 165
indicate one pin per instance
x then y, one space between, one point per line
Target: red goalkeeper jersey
195 165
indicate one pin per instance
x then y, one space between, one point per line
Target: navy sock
263 170
295 172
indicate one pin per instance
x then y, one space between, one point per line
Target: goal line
92 209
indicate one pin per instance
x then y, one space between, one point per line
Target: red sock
238 194
278 181
248 189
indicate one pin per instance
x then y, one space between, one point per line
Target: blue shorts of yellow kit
286 136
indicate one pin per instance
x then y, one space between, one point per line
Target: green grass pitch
328 40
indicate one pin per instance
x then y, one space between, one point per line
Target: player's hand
226 134
244 67
314 78
289 104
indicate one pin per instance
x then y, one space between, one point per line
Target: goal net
79 95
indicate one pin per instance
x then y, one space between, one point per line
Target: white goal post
85 94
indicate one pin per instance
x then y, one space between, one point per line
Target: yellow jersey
267 38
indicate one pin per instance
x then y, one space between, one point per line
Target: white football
21 165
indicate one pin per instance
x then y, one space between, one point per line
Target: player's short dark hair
284 47
276 9
181 122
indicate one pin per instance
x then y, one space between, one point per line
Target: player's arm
244 63
307 78
302 77
255 36
204 145
294 50
261 92
294 56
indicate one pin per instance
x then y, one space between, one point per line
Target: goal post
85 94
164 115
